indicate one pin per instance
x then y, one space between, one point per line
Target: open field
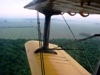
27 29
18 33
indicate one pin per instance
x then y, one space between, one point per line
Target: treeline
87 53
13 59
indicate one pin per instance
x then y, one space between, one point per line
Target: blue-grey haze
27 28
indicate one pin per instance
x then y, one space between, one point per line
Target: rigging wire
88 62
77 43
40 45
69 27
80 40
98 69
70 30
39 30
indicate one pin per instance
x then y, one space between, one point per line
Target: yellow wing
54 64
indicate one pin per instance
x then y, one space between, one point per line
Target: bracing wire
88 62
77 41
69 28
39 30
40 45
80 40
98 69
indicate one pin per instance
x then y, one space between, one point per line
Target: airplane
43 58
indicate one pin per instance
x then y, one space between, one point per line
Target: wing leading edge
72 6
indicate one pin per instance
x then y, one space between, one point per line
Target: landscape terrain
14 34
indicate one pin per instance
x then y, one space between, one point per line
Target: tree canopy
13 59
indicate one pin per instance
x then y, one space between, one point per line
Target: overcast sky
14 9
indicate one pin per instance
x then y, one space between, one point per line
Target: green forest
13 59
87 52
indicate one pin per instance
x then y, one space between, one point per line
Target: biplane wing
54 64
74 6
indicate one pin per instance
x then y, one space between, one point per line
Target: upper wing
74 6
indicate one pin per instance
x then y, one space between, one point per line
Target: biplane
44 58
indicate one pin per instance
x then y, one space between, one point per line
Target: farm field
18 33
27 29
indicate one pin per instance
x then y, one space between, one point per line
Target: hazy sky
14 9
